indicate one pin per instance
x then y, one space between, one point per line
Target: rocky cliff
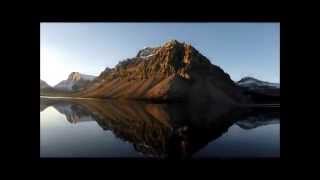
76 81
174 71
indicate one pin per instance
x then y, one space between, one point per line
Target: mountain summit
254 83
75 81
76 76
174 71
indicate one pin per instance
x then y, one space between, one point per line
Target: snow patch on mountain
252 82
147 52
73 79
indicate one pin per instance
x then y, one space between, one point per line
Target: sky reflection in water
95 128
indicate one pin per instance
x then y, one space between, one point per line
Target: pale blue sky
241 49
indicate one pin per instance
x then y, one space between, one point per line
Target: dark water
94 128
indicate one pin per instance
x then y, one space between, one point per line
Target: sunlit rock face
174 71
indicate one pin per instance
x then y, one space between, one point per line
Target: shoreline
61 97
271 105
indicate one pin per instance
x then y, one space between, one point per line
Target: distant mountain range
260 91
75 81
174 71
252 83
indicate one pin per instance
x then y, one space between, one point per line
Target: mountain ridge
260 91
254 82
173 71
75 81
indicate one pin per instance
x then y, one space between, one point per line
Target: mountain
43 84
47 90
260 91
76 81
253 83
174 71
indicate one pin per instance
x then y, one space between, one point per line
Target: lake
130 129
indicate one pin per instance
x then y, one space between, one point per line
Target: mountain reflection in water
161 130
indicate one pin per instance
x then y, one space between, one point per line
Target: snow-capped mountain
260 91
253 83
147 52
75 81
174 71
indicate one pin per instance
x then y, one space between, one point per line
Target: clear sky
240 49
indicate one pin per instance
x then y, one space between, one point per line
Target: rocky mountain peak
253 83
150 51
247 78
172 71
75 81
74 76
173 57
146 52
180 55
173 42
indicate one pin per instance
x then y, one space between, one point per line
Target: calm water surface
96 128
